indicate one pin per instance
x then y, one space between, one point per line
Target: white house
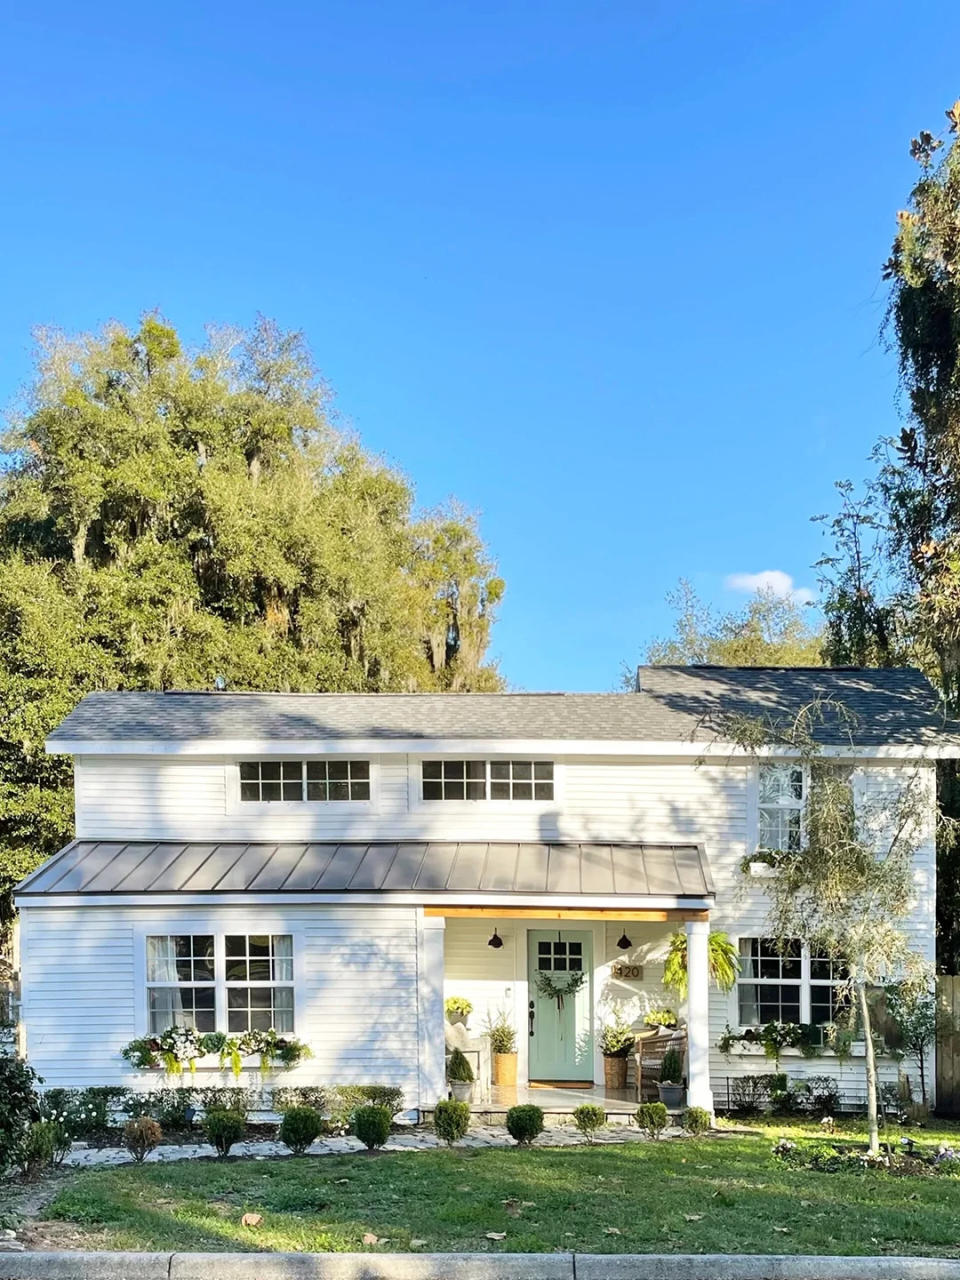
333 865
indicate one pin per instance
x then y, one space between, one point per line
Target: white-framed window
769 982
181 982
829 999
780 807
487 780
270 781
220 982
259 982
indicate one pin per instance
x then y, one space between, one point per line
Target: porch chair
648 1058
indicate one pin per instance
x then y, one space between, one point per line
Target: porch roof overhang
595 876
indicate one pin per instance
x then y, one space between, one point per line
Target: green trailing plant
589 1119
223 1129
773 1038
671 1069
525 1123
723 963
660 1018
451 1120
180 1048
457 1007
502 1033
652 1118
696 1121
20 1106
459 1070
371 1125
141 1136
299 1127
617 1037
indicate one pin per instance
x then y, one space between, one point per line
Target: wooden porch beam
558 913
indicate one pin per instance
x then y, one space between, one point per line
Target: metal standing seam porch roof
435 868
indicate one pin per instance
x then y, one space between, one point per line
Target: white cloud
773 580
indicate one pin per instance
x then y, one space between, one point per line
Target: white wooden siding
356 989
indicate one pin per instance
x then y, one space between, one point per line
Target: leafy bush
459 1070
299 1127
451 1120
19 1106
697 1120
820 1095
786 1098
223 1129
86 1114
140 1136
652 1116
167 1106
372 1126
38 1147
588 1118
315 1096
671 1071
749 1093
344 1099
224 1098
525 1123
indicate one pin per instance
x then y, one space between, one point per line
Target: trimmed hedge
525 1123
451 1120
372 1126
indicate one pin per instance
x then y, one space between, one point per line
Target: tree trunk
870 1063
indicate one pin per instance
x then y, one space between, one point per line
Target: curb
465 1266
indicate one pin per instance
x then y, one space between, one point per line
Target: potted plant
617 1039
460 1076
457 1009
661 1018
671 1087
503 1048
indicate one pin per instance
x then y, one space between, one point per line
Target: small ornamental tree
847 891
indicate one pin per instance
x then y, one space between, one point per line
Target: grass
723 1194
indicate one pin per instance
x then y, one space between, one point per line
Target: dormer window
487 779
266 781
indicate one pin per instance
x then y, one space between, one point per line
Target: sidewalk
463 1266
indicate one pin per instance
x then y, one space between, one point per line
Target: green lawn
721 1194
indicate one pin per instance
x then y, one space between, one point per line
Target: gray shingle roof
445 868
896 706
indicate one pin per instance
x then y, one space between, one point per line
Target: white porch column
430 1017
699 1093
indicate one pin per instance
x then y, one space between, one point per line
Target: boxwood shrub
524 1123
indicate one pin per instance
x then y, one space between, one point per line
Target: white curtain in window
162 959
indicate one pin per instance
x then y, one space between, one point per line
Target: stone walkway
421 1139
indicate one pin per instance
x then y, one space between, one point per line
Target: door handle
531 1014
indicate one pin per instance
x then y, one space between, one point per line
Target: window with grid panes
181 987
780 811
259 979
487 779
559 956
828 999
769 982
263 781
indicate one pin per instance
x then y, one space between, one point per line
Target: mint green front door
561 1032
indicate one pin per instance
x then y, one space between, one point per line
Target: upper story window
781 807
487 779
263 781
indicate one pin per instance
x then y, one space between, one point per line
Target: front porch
494 959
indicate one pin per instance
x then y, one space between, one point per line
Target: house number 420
627 971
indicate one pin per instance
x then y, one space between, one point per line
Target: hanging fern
722 960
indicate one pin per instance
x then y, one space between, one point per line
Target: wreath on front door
548 986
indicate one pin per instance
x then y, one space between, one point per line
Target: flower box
763 871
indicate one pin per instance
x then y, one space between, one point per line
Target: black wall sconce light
496 941
624 943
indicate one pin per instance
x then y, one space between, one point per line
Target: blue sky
609 273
